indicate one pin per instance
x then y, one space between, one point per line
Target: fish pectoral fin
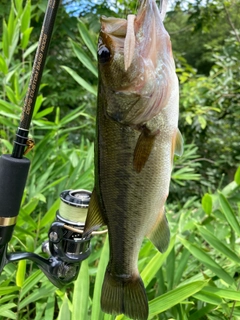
177 144
160 233
94 218
124 295
143 148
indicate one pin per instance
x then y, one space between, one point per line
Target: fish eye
104 54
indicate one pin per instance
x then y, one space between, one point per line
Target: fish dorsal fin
129 43
160 234
94 218
143 149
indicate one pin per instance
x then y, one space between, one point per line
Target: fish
137 136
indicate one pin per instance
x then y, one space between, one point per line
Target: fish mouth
134 34
139 70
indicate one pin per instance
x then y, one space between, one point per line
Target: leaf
37 294
96 309
7 144
7 290
237 176
26 17
6 312
219 245
200 255
81 293
86 36
30 282
174 297
83 57
207 203
5 40
25 38
228 213
155 264
224 293
208 297
20 275
3 65
44 112
30 50
64 313
80 80
50 215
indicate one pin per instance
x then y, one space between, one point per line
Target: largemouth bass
137 136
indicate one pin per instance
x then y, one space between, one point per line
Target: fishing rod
66 247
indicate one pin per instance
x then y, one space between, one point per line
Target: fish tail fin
124 295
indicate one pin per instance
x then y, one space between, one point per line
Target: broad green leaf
202 312
5 40
73 115
237 176
20 275
87 38
30 50
181 266
64 312
50 308
202 256
83 57
26 17
7 144
217 244
3 65
11 24
229 214
207 203
11 95
44 113
208 297
37 294
25 38
5 311
96 309
155 264
81 293
224 293
50 214
80 80
174 297
19 6
30 282
7 290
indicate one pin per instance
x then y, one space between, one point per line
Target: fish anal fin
122 294
94 218
160 233
143 149
177 144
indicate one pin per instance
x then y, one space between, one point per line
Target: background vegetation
198 276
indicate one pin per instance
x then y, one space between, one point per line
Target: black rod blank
38 66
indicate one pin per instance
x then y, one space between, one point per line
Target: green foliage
198 276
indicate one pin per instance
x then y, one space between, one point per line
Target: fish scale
136 138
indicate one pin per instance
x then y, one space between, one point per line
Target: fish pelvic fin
177 143
143 149
94 218
160 233
124 295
